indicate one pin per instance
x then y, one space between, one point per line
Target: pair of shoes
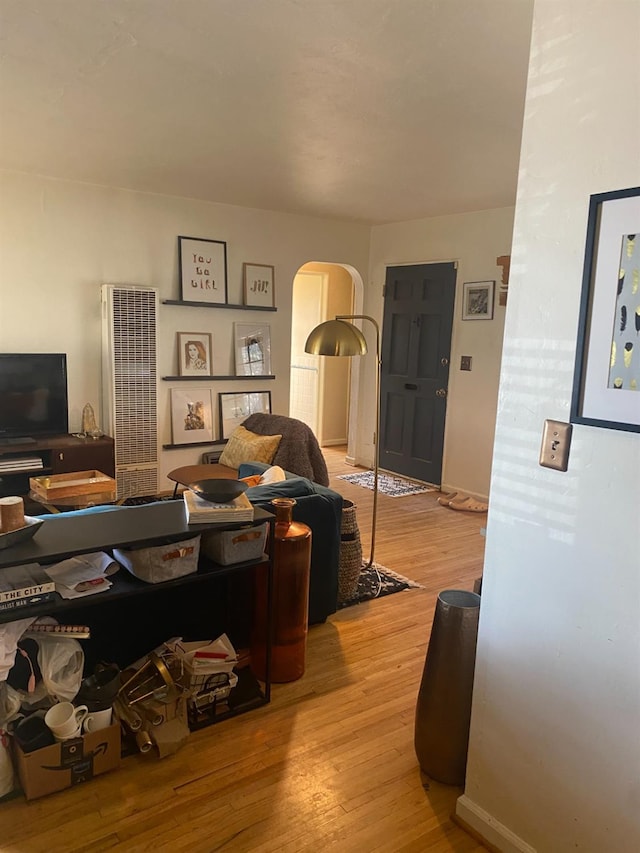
468 504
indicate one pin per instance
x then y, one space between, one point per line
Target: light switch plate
465 362
556 440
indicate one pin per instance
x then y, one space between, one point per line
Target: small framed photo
236 408
194 354
253 349
477 300
203 270
259 285
191 416
606 380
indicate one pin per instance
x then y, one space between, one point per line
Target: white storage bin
234 546
162 562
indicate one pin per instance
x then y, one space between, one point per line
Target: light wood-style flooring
330 762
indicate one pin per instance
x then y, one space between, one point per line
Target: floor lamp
339 338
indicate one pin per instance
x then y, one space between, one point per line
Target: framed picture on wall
252 349
477 300
236 408
606 381
191 416
203 270
259 285
194 354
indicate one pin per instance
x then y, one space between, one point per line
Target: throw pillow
245 446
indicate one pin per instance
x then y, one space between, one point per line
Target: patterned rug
395 487
377 582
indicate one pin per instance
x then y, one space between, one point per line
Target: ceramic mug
65 721
96 720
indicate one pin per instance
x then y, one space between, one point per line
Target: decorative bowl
218 491
14 537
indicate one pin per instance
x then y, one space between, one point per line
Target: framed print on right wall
606 381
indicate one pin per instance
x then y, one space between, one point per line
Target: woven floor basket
350 553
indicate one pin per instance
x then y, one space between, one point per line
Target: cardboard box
71 762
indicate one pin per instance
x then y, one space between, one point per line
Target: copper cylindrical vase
291 555
443 712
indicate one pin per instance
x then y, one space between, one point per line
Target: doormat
376 582
394 487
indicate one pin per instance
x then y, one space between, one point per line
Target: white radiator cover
130 384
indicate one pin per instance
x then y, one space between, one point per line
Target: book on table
24 585
199 510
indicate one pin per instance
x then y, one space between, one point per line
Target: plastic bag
61 662
10 633
7 782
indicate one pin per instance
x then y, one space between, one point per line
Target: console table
133 617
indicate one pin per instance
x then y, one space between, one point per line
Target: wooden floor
330 762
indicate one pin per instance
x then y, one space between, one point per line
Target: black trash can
443 711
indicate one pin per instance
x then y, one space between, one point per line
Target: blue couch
321 509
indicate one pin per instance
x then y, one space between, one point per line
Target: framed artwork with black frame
606 382
236 408
477 300
203 270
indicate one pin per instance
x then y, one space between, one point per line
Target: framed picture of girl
194 354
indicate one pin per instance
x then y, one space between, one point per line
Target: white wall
60 241
475 240
554 758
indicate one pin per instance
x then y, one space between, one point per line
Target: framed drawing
259 285
235 408
477 300
191 416
606 381
253 349
203 270
194 354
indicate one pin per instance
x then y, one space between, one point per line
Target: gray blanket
299 451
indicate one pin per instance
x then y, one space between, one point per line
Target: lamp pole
376 435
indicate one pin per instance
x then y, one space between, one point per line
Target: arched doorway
323 391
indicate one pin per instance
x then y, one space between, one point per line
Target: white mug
77 733
64 720
96 720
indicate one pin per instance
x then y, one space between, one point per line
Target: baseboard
334 442
487 829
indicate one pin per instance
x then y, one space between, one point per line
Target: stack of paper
83 575
202 511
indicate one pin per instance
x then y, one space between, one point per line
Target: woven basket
350 553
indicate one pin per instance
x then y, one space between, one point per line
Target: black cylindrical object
443 712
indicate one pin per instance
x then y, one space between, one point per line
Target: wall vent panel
130 392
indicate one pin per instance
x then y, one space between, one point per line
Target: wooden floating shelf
213 378
218 305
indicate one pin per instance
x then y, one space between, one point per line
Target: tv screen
33 395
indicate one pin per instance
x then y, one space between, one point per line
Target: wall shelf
194 444
214 378
218 305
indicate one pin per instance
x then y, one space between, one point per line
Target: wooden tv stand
60 454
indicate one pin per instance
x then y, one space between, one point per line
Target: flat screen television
33 395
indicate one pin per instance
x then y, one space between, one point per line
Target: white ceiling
376 110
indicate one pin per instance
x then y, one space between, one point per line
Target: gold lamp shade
335 337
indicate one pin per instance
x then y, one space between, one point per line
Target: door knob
441 392
444 361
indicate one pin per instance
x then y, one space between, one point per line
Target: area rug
376 582
394 487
